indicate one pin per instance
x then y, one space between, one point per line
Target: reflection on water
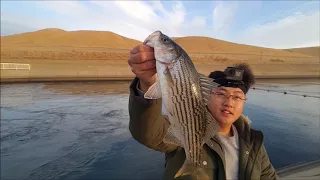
309 87
80 130
290 123
89 88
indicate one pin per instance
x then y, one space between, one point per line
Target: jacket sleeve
146 124
268 171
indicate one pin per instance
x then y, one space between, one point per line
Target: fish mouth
151 37
146 42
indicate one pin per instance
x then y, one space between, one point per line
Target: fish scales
184 94
190 120
189 104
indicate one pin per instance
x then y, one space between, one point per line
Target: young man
237 152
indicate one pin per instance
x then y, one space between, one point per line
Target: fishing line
286 92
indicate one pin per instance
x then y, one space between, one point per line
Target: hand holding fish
194 114
143 65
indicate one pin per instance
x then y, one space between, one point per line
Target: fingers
144 66
143 63
146 75
141 48
141 57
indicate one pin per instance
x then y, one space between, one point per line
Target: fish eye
165 39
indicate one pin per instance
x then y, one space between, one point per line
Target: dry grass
63 54
57 54
107 70
311 51
210 45
276 60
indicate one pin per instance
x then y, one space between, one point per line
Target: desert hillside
57 44
59 54
209 45
108 40
311 51
61 38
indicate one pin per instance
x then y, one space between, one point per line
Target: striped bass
185 94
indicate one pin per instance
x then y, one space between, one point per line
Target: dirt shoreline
129 78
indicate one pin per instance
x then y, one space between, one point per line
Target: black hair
248 78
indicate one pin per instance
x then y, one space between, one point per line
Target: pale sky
273 24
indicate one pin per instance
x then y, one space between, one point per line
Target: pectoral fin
188 171
154 92
171 138
168 76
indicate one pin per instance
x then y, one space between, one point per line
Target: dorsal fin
207 84
212 127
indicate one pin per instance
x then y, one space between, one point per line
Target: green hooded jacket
148 127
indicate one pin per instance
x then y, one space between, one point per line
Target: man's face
224 108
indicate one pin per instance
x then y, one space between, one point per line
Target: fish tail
192 171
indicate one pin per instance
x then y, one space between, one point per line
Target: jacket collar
245 145
243 127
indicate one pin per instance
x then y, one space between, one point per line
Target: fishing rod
286 92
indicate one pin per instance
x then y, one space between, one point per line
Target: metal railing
15 66
291 92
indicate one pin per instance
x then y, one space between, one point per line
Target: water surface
80 130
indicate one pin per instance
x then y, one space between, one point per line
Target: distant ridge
311 51
59 37
106 39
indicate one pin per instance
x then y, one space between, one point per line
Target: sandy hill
196 44
58 44
61 38
55 54
106 39
312 51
